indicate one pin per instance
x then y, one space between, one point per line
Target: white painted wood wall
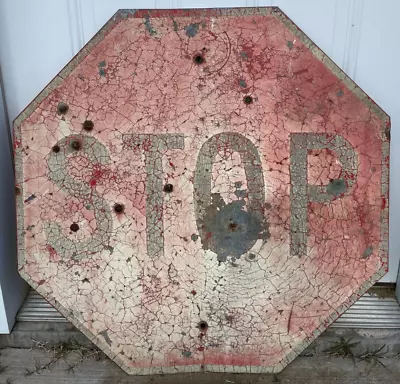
38 37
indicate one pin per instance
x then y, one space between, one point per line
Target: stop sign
202 190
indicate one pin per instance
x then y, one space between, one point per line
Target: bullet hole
193 292
88 125
74 227
198 59
248 99
168 188
252 256
62 108
56 149
76 145
233 227
119 208
203 326
17 191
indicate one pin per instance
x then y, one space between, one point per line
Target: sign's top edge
197 12
220 11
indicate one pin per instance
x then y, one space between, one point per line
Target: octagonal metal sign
202 190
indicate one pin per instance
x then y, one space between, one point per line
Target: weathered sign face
202 190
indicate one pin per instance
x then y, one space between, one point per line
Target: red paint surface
258 311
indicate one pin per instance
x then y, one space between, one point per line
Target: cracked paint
202 190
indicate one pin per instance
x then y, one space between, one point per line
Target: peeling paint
232 230
30 198
336 187
368 252
148 25
192 29
105 334
246 191
102 71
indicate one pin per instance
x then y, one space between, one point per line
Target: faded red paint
141 78
52 253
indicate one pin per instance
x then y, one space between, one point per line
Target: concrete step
28 334
24 366
378 309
